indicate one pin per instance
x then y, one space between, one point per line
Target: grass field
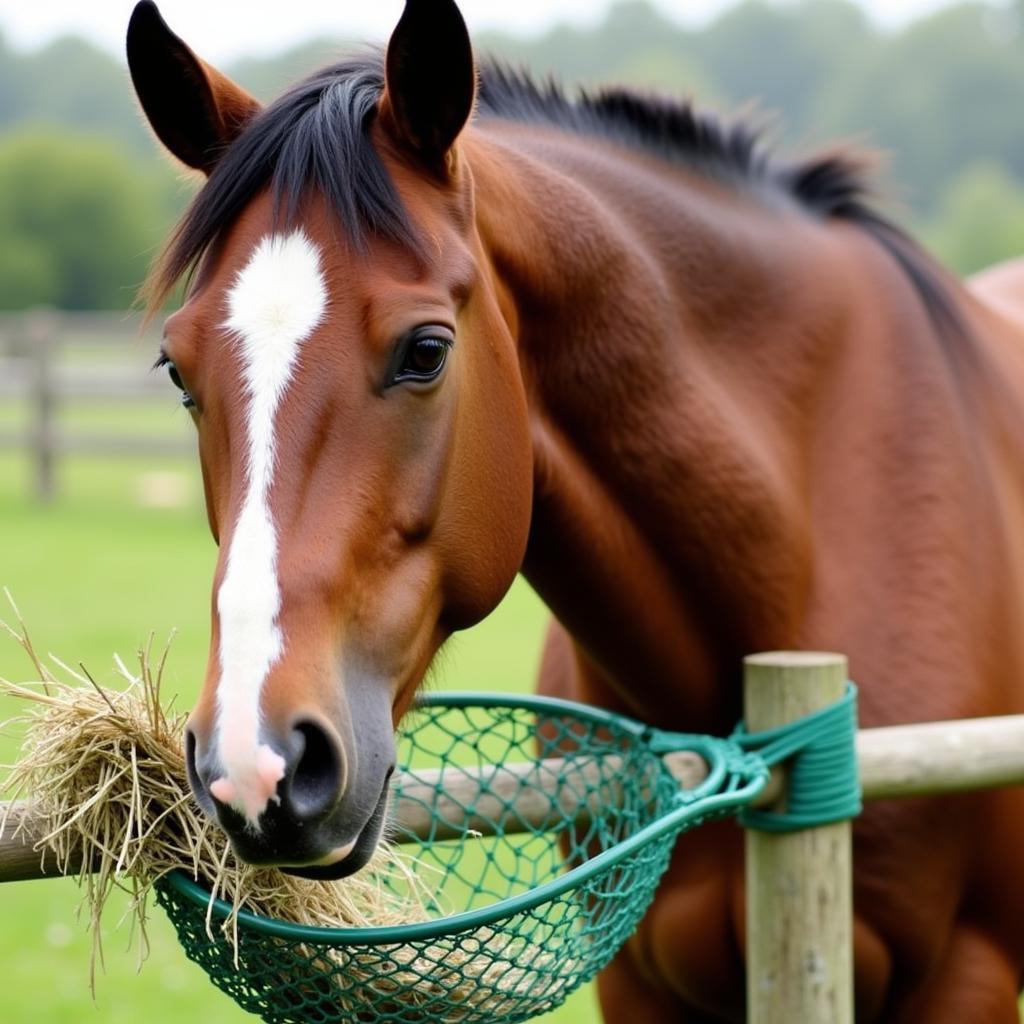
94 574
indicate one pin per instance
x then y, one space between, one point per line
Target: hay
103 770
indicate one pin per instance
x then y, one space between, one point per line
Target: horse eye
172 372
424 358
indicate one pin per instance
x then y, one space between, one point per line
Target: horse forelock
314 139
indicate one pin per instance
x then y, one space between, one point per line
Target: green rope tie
823 784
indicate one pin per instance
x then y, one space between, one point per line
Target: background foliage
940 99
85 200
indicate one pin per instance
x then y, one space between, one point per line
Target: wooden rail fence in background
45 362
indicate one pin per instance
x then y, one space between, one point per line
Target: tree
980 219
780 57
70 82
79 222
939 95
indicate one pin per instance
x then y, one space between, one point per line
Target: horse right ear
195 111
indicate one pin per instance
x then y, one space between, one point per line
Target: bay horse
445 325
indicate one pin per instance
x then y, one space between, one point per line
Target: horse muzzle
322 811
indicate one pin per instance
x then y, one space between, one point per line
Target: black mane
316 137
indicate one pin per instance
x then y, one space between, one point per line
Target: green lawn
94 574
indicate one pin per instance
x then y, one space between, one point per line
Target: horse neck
681 346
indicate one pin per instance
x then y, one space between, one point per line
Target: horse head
361 419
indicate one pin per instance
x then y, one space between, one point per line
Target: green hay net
524 914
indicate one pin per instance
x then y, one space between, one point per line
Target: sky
226 29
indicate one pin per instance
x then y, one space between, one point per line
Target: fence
799 915
50 358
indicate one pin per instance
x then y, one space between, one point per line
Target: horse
445 325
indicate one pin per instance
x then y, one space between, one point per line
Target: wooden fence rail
45 362
895 761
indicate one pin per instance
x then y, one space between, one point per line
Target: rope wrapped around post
822 781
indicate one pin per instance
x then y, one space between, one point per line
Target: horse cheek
484 532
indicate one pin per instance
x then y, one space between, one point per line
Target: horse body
816 469
707 406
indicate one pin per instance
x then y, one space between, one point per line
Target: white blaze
274 305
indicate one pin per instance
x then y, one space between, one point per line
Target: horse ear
430 80
195 111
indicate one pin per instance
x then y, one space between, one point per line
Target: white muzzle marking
275 304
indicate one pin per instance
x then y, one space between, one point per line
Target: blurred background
102 531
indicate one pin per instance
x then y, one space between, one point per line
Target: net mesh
544 834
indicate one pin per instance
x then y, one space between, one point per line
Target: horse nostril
316 780
195 778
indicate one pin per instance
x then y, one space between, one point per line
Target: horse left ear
430 80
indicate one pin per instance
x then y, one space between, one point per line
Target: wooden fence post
41 334
799 884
